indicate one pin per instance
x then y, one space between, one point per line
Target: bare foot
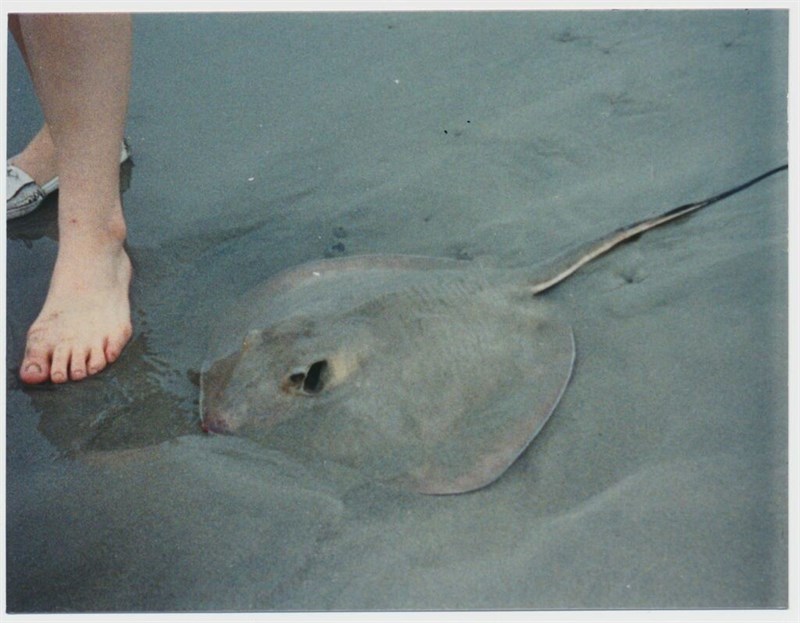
80 66
85 322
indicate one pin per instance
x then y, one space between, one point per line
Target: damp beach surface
262 141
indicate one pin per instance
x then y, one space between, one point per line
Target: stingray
430 373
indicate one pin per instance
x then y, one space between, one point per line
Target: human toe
97 359
59 365
77 364
116 344
35 368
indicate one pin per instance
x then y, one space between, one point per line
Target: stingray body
430 373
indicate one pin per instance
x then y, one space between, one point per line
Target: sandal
23 195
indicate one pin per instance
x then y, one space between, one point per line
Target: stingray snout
216 421
215 424
211 420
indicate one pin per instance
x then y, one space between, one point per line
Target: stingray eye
316 377
309 381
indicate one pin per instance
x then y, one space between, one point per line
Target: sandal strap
22 193
16 180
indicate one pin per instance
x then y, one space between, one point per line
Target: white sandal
23 195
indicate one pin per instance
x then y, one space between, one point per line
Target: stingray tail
571 262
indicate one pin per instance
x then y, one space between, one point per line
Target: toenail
35 368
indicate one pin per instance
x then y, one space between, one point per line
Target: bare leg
38 159
80 65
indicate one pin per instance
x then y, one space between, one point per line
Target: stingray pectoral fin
490 440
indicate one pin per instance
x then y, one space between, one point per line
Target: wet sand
262 141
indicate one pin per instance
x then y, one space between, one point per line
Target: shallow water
660 480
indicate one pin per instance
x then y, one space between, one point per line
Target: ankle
106 226
115 229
